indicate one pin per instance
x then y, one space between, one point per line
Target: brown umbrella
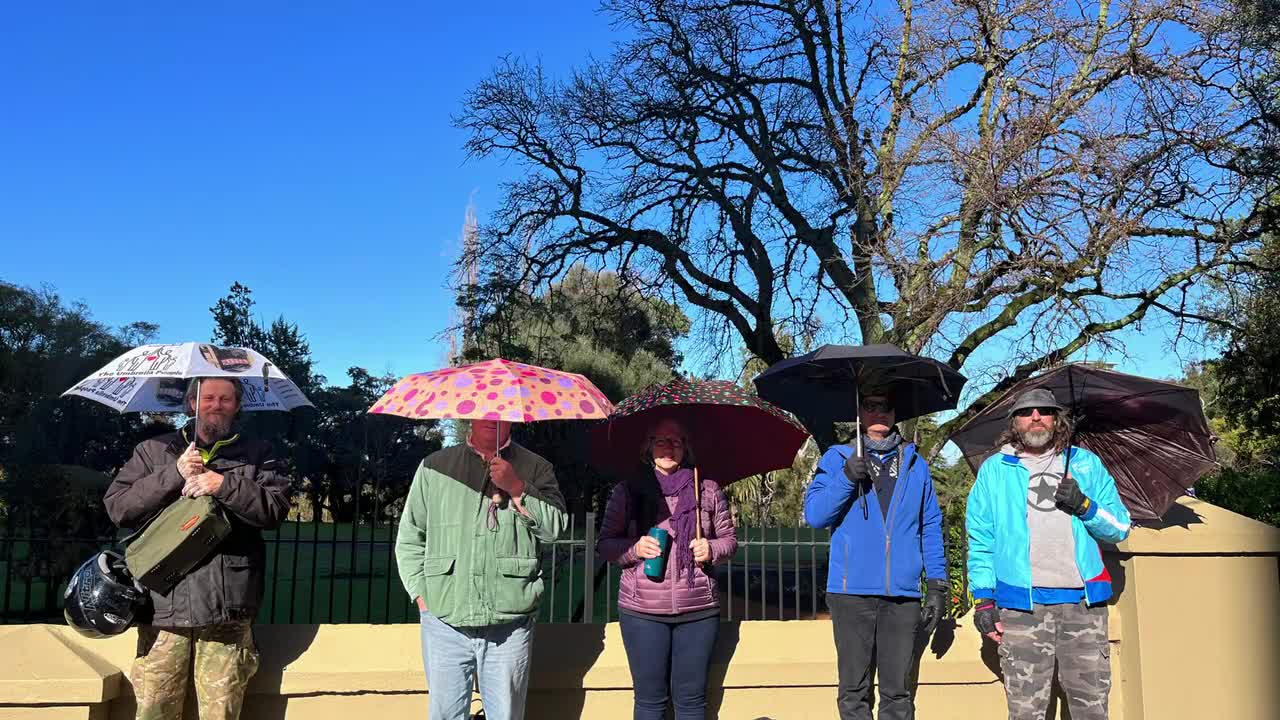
1151 435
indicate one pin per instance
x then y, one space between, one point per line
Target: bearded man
201 632
1036 514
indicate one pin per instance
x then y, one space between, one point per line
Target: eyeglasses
672 442
878 406
1044 412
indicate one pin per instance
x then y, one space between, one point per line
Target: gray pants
1073 636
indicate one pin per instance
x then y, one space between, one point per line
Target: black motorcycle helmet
102 599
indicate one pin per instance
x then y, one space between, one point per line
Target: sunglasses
672 442
1044 412
878 406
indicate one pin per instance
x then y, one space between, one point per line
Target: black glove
856 470
935 605
985 617
1069 498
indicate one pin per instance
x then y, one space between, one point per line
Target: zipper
888 535
671 581
846 565
1084 582
1031 585
669 575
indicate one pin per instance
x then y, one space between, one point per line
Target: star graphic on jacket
1042 490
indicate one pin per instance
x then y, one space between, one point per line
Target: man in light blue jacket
1036 513
887 534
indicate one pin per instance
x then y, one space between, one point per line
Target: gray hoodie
1053 547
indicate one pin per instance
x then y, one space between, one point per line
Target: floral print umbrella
732 431
495 390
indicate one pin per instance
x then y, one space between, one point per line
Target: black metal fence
320 572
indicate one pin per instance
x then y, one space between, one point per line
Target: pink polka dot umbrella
495 390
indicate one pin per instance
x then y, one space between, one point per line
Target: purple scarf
684 520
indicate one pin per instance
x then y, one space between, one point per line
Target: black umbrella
823 384
1151 435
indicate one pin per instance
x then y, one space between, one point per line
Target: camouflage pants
223 658
1073 636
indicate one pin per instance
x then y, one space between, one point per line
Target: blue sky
152 154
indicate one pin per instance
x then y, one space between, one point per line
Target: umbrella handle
697 499
196 439
857 414
1071 385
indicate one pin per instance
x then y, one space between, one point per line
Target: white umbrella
152 378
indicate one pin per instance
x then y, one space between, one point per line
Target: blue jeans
669 661
452 656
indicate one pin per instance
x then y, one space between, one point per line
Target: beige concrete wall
760 670
1194 634
1200 602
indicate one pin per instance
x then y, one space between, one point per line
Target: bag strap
127 539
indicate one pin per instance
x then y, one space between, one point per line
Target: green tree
774 499
1247 384
55 452
1253 492
346 465
356 466
952 481
1241 391
281 341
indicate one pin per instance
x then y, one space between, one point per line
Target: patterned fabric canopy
495 390
732 431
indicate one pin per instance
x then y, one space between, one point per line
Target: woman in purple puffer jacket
669 624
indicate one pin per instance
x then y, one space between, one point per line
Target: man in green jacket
468 554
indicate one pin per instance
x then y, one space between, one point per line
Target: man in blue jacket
888 530
1036 513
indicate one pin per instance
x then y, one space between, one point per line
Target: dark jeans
874 634
669 660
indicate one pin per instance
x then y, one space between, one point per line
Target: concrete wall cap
1195 527
42 665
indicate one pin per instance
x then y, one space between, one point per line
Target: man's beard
1032 439
216 427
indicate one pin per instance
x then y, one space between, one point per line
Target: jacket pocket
518 587
242 587
439 577
434 566
517 566
907 565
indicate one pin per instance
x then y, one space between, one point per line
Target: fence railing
321 572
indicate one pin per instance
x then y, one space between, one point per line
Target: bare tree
944 176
